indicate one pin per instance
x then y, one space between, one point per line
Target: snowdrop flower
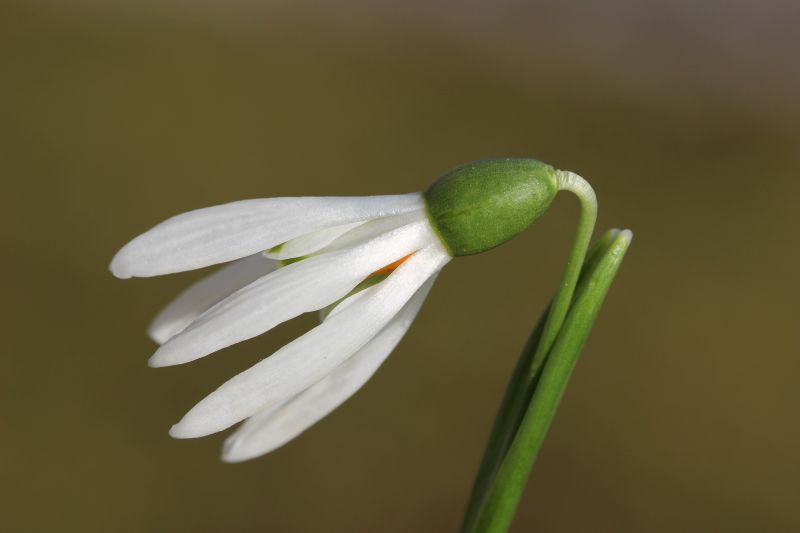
366 263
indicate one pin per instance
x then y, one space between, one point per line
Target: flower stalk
542 371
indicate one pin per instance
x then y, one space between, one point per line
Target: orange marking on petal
390 267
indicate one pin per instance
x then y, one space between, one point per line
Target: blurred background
682 413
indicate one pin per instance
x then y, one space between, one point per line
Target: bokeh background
682 413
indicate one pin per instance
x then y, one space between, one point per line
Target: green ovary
482 204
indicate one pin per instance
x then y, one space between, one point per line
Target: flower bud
482 204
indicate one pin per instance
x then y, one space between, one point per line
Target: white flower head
368 262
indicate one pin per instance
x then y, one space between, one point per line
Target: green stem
523 380
568 181
563 299
503 497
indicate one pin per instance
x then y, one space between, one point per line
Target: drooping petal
309 358
310 242
371 229
347 302
270 429
301 287
225 232
201 296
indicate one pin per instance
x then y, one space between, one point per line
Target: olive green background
682 413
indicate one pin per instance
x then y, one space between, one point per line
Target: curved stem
528 369
569 181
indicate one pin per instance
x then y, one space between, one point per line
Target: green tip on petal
482 204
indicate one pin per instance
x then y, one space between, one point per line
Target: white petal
309 358
238 229
270 429
298 288
371 229
199 297
311 242
347 302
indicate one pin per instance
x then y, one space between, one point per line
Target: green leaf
500 502
517 397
